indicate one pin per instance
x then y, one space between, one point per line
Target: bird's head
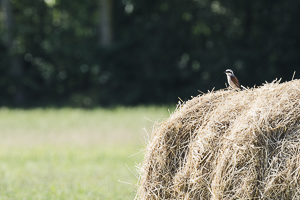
228 72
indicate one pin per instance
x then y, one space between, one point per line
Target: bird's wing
235 81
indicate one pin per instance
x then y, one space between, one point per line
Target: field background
73 153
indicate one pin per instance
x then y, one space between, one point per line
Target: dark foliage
162 49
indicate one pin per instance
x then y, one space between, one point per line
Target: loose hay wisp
228 145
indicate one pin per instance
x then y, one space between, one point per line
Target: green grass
73 153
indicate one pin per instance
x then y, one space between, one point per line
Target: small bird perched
232 80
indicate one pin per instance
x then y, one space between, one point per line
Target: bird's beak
224 72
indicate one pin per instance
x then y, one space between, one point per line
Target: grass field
73 153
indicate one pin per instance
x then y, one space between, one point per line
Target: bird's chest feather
231 82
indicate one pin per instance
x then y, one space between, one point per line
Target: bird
232 80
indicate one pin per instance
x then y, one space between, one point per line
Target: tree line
129 52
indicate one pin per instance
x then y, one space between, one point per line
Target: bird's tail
242 88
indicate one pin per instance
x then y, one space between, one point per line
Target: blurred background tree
14 60
105 52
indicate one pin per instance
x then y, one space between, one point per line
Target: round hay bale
228 145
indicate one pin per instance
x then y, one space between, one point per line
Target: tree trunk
16 68
106 23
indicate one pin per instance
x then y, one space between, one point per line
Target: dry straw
228 145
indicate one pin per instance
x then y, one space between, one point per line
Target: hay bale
228 145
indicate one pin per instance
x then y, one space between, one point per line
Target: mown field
73 153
